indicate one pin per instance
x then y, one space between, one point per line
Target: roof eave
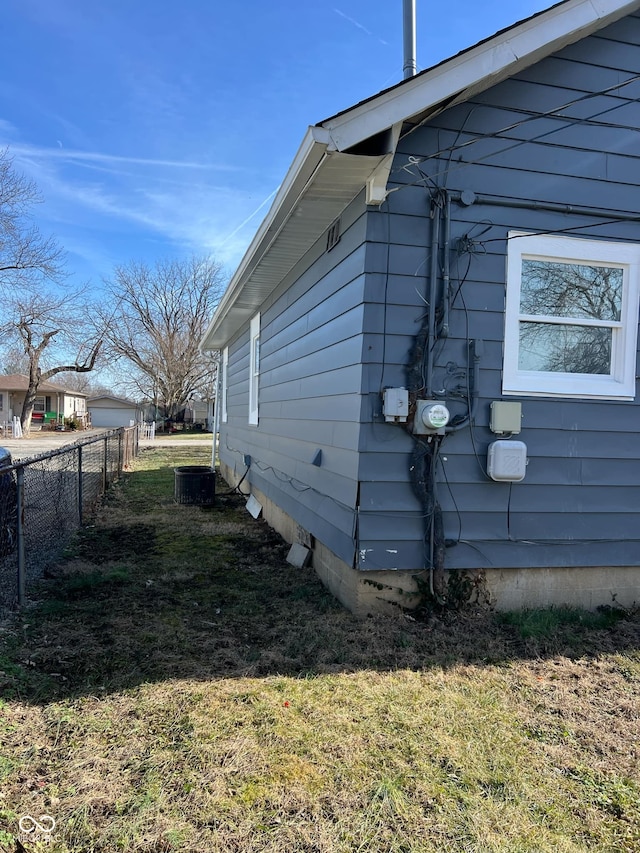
475 69
308 158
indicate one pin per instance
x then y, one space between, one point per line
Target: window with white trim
571 317
223 384
254 369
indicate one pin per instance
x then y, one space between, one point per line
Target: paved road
41 442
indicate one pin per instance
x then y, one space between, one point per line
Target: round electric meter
435 416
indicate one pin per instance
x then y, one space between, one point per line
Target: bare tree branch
157 324
26 257
48 327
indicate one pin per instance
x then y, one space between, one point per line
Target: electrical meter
431 417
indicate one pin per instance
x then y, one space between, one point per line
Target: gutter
308 160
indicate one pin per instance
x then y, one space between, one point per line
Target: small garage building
108 411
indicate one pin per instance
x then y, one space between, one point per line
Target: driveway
42 442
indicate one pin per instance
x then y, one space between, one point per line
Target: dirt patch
122 542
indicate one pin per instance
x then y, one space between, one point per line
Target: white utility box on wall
507 461
395 405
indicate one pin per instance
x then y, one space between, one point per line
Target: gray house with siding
429 350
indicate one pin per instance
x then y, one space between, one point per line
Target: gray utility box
506 417
507 461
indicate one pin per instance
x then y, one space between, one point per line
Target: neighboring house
193 412
109 411
52 400
199 412
471 235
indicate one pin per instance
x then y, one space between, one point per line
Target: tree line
145 322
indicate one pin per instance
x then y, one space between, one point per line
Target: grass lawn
177 686
188 434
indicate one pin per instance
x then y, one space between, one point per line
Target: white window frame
620 383
254 369
224 367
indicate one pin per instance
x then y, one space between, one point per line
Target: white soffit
309 213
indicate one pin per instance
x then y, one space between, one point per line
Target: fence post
120 460
80 495
105 474
22 573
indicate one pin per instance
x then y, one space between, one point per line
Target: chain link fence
46 498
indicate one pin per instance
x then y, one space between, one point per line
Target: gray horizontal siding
345 352
309 392
582 486
483 555
340 330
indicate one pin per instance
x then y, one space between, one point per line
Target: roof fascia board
478 68
308 158
129 403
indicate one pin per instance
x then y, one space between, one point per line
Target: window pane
565 349
571 290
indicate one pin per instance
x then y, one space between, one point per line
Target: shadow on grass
154 591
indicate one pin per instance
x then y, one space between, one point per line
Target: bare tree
26 256
42 320
159 316
52 332
83 383
14 360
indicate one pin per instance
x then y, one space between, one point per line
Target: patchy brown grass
178 686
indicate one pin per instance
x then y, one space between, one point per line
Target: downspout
216 419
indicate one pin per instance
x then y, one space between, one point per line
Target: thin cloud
229 237
176 212
98 157
359 26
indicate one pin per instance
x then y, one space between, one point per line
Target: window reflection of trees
565 349
573 291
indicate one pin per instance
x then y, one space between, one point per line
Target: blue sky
156 129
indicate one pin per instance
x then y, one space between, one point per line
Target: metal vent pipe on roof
410 67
